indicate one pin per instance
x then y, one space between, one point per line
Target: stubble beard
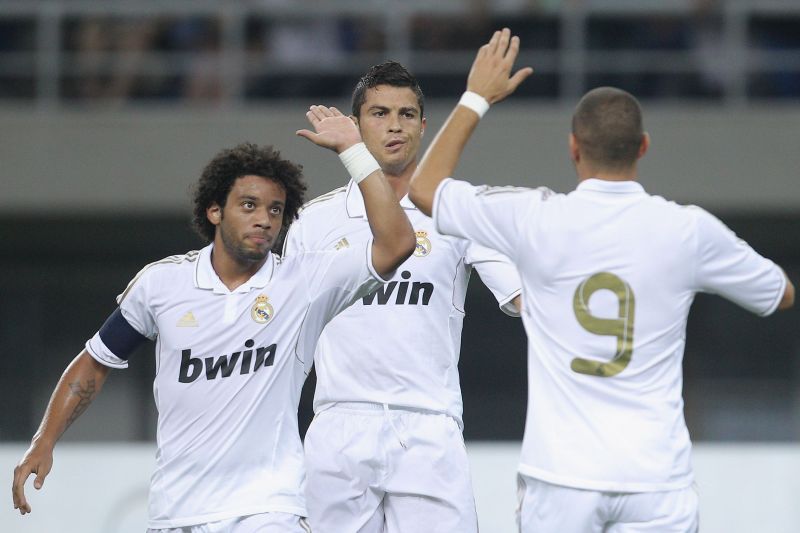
238 251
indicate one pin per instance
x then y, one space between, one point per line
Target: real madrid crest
423 247
262 311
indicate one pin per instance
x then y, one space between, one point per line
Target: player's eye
378 113
276 210
248 205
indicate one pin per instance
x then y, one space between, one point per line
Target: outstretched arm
393 238
78 386
490 78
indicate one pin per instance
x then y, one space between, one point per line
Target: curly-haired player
235 330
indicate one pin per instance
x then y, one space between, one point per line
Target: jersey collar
355 202
206 278
616 187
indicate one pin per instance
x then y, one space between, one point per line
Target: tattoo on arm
86 392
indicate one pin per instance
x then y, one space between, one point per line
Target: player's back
608 281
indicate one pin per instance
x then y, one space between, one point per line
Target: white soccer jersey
229 369
608 276
400 344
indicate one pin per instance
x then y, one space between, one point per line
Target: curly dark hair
389 73
245 159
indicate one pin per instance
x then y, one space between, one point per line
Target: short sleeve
729 267
337 278
499 274
490 216
132 319
294 243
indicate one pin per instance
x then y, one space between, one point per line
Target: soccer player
385 451
235 330
608 273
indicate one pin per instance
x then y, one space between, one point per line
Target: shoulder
163 270
324 203
172 263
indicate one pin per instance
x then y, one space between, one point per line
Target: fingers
18 489
320 112
494 42
502 42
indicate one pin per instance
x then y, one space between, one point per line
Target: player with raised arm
235 329
609 273
385 451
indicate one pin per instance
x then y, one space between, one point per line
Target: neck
585 173
231 271
399 182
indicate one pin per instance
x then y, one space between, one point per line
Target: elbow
788 297
407 245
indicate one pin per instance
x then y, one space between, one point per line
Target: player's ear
645 144
214 213
574 151
422 129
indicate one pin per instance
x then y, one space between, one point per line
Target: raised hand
490 75
334 130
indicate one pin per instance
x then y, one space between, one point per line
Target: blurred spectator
199 40
110 56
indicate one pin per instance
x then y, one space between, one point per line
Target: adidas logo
187 321
342 244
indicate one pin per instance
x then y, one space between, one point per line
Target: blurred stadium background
109 109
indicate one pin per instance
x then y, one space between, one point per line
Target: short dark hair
245 159
608 127
389 73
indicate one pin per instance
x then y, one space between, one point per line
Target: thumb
38 483
520 76
308 134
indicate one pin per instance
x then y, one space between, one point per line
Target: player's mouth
395 145
258 238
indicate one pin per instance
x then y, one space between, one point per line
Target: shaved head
607 126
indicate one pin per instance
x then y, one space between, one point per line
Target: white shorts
544 508
257 523
372 468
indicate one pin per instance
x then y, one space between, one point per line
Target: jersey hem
507 305
329 404
215 517
604 486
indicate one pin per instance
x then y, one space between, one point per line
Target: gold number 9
621 328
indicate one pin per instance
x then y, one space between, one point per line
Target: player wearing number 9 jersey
609 273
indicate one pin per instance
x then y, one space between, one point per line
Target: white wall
103 488
146 160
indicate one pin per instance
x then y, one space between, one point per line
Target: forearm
442 157
77 388
392 235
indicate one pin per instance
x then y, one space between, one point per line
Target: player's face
391 126
252 218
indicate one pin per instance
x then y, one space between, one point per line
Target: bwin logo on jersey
223 366
262 311
420 294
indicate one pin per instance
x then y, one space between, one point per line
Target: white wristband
475 102
359 162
